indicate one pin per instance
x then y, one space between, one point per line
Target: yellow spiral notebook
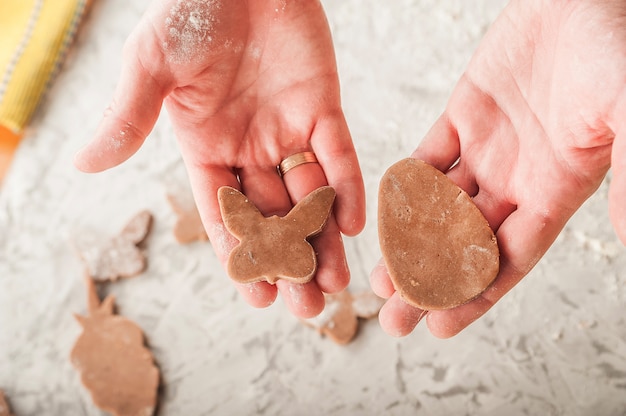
34 36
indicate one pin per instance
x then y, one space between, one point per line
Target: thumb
129 118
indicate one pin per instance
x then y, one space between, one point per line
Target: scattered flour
280 6
255 52
367 304
604 248
296 291
119 141
222 241
190 27
326 317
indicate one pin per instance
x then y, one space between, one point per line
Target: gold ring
296 160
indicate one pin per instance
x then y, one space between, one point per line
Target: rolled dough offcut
340 318
109 258
439 249
114 364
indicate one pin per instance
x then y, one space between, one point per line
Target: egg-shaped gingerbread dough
438 247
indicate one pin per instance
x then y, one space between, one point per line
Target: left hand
246 84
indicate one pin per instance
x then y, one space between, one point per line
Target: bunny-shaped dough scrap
114 364
339 320
118 256
188 227
275 247
5 410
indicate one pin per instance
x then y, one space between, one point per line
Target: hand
534 123
246 84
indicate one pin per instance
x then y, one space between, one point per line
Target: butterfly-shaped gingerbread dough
109 258
272 248
115 366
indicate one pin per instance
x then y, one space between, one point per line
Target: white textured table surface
556 345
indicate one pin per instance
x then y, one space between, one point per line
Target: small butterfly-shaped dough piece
5 410
188 227
109 258
275 247
113 362
339 320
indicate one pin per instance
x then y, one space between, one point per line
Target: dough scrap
118 256
438 248
115 366
188 227
339 320
275 247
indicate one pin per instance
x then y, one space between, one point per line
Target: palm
534 123
246 84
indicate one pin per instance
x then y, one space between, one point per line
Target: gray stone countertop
555 345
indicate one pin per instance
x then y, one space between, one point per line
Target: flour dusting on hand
190 28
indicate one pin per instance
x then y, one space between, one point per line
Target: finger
130 117
440 147
523 238
205 181
493 209
303 300
398 318
334 149
463 178
258 295
617 190
380 281
332 272
265 188
304 179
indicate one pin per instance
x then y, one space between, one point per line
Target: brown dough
189 227
118 256
275 247
114 364
439 249
339 320
5 410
